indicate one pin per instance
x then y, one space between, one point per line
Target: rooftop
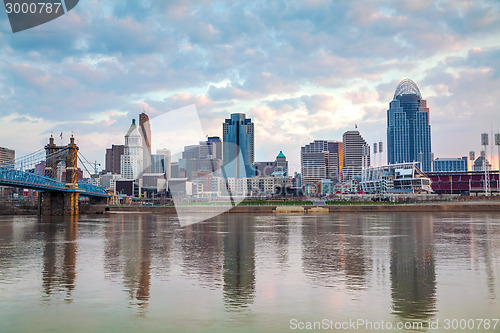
407 87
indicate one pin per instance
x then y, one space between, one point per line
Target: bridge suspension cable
92 180
30 161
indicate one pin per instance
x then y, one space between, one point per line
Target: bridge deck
22 179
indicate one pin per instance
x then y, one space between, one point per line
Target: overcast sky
302 70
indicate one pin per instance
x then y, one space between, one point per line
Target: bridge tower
59 202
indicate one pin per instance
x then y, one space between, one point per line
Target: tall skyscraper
408 127
132 158
356 155
320 160
145 130
113 158
238 138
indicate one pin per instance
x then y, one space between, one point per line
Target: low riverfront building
395 178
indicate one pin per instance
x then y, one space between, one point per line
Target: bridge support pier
59 203
95 205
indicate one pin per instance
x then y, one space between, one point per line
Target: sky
301 70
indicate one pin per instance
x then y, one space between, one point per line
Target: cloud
361 95
302 70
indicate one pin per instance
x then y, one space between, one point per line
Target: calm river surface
248 273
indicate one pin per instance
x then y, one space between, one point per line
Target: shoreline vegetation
331 207
292 206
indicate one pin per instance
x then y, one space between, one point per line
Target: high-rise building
191 151
218 146
7 159
174 170
145 130
238 138
7 156
192 168
336 162
158 163
408 127
132 158
113 157
320 160
356 153
207 150
167 161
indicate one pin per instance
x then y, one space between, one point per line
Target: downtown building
278 167
7 156
238 146
161 162
450 164
132 159
281 165
216 141
356 155
408 127
7 159
113 159
207 149
320 159
145 131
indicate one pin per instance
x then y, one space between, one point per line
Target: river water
250 273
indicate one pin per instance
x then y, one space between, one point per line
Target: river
249 273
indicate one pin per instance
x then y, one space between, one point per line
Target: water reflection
128 252
323 255
335 253
471 239
202 253
237 267
413 272
239 260
355 250
59 254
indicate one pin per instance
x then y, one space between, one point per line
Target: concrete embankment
424 207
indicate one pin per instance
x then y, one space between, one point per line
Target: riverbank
421 207
476 206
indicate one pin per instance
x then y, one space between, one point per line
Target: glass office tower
238 146
408 127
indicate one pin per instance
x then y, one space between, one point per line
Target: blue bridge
38 171
17 178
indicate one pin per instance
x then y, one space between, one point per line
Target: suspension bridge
39 171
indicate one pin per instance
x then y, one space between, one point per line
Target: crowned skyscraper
131 160
408 127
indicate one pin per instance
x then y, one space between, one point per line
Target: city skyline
291 68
